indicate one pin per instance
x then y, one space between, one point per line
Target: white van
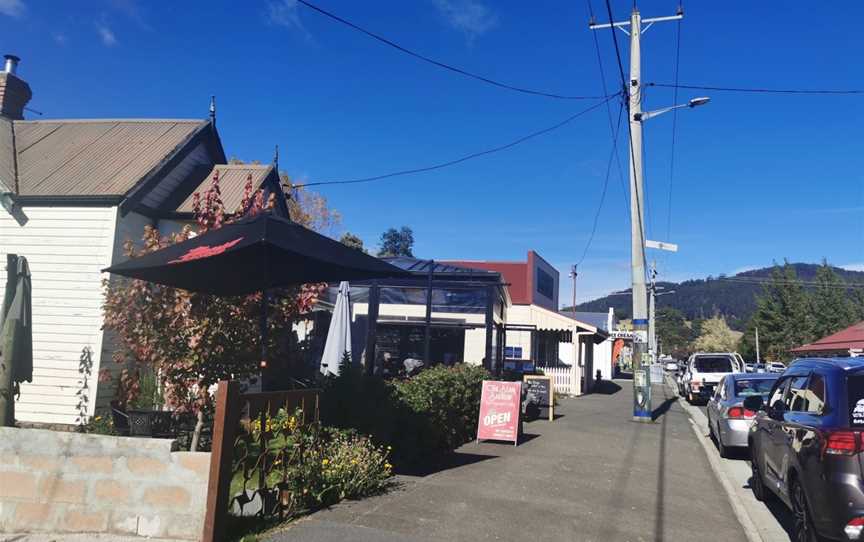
705 370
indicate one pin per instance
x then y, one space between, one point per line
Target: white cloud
107 35
287 13
471 17
853 266
12 8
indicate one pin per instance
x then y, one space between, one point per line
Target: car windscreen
713 364
855 390
757 386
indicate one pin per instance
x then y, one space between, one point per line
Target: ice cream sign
499 411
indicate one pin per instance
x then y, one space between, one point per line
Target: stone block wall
59 482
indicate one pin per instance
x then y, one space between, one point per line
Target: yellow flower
325 462
97 418
388 466
353 461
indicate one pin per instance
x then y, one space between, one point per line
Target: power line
759 90
465 158
674 131
612 129
440 64
612 154
629 131
770 282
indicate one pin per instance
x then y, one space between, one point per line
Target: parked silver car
728 421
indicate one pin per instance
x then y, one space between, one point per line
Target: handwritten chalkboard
539 395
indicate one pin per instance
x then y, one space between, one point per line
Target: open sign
500 404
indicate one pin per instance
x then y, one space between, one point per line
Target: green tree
672 332
832 308
715 336
783 314
397 242
351 240
858 303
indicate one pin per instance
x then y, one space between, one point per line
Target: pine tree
832 306
783 314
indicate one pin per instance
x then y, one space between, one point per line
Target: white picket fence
562 377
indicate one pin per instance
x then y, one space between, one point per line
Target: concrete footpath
591 475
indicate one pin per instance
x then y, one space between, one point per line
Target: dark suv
806 446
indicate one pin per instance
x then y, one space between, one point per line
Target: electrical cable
465 158
612 130
782 282
674 131
625 95
440 64
760 90
612 154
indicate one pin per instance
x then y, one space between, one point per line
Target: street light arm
695 102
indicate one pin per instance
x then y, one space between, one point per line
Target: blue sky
757 177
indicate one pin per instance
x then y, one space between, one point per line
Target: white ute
705 370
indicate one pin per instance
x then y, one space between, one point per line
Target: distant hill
703 298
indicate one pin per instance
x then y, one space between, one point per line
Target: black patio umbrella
255 254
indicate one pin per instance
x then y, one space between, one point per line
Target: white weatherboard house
72 192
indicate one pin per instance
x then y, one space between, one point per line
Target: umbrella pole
264 339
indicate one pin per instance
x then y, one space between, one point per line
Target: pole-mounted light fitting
702 100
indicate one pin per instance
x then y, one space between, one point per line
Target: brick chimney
14 91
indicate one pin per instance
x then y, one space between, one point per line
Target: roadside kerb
758 522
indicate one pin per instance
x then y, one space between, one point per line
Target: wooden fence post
221 457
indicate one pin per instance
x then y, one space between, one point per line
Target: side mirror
754 403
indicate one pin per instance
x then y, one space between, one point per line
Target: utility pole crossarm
652 20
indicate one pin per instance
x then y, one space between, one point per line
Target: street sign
660 245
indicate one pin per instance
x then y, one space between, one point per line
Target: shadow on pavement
446 462
661 469
780 512
606 387
663 409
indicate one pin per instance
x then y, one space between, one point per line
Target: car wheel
803 530
760 492
722 448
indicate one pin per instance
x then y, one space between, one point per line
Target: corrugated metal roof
232 183
7 156
421 267
93 157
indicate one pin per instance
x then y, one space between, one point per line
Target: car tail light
841 443
739 413
853 528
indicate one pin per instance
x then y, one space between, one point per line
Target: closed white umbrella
339 334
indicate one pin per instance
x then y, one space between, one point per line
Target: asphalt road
772 519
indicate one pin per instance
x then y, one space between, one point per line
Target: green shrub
310 465
100 424
449 400
421 417
354 465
